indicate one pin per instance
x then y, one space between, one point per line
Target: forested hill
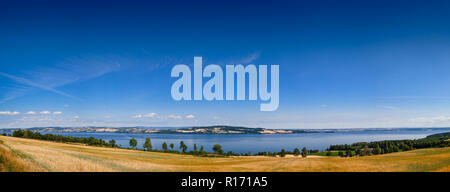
440 136
389 146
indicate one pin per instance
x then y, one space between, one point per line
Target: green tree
164 146
388 149
377 150
341 154
171 146
133 142
148 144
282 153
395 148
365 150
112 143
183 147
304 152
217 149
296 152
195 147
358 151
328 153
404 147
202 150
348 153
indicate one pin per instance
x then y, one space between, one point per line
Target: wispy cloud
435 119
148 115
161 117
73 69
45 112
137 116
391 107
34 84
415 97
246 59
30 113
9 113
250 58
151 115
174 117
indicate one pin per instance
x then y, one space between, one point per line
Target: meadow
19 154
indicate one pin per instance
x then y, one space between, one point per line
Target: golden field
18 154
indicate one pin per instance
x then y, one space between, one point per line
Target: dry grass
35 155
14 161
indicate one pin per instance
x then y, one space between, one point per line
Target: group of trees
183 147
304 152
390 146
67 139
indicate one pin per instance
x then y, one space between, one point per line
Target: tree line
148 146
112 143
66 139
391 146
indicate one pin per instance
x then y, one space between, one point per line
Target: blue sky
343 64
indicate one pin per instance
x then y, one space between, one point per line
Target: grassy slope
19 154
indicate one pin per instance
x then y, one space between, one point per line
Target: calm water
257 143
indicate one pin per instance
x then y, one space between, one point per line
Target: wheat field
18 154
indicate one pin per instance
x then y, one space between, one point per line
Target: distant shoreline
217 129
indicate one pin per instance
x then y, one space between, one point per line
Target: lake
243 143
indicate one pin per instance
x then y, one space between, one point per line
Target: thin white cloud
174 117
148 115
390 107
151 115
235 60
156 116
190 116
137 116
9 113
45 112
30 113
73 69
436 119
250 58
34 84
57 113
415 97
